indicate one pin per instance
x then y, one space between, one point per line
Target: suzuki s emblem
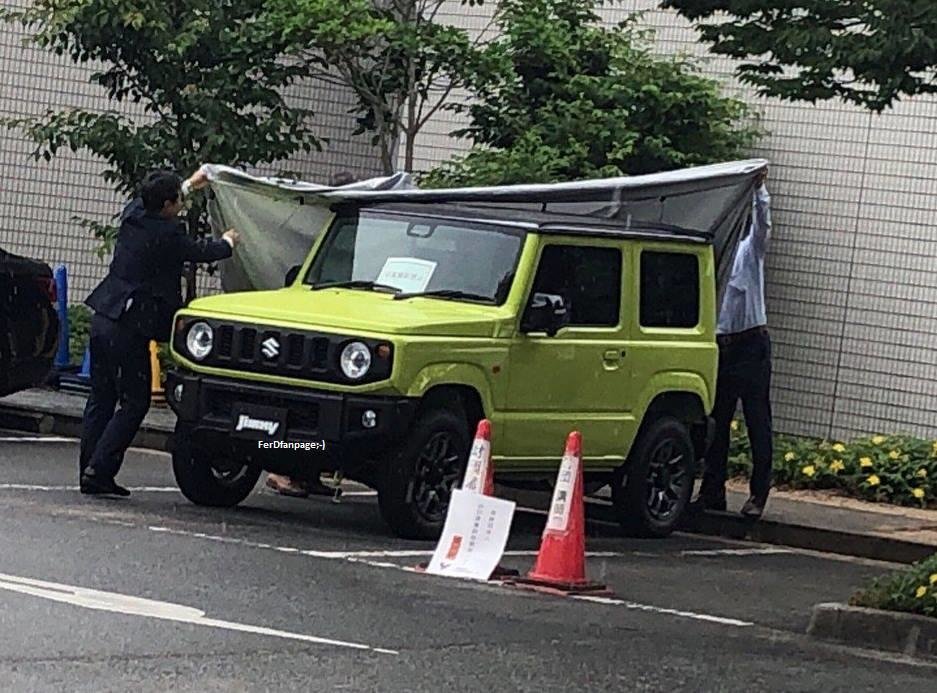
270 347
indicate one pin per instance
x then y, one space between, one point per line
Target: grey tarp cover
279 219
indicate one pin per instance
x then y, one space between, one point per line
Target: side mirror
291 275
545 313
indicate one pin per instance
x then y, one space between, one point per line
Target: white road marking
663 610
35 439
40 487
766 551
343 555
149 608
366 558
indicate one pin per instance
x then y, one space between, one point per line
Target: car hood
354 310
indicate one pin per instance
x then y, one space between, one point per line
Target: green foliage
912 589
209 83
567 98
870 53
896 469
79 330
396 56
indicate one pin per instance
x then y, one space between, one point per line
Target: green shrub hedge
912 589
896 469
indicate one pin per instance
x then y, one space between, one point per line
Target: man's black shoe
704 503
754 507
92 486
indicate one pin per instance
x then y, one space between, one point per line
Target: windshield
458 260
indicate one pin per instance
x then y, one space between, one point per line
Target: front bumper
212 404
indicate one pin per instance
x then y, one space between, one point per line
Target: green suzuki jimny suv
408 323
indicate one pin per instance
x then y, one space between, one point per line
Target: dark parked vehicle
29 324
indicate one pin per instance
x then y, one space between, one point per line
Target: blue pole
61 288
85 373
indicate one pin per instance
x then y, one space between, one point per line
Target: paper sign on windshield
409 274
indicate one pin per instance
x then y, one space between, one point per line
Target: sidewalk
51 411
802 519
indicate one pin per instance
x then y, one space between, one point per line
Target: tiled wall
852 290
851 287
38 199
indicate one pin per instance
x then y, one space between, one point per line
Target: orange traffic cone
480 478
561 561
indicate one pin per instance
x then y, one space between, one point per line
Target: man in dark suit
134 304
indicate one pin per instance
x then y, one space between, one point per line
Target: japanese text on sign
562 494
409 274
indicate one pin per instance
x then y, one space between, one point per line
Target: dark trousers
744 373
120 374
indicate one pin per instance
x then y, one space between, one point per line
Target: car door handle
613 354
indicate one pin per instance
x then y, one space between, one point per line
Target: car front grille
290 353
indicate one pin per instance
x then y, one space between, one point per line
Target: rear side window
669 289
588 278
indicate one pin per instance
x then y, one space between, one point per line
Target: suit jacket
142 289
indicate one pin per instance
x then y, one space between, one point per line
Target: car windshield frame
415 219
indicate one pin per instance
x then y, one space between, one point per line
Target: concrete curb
893 631
877 548
18 419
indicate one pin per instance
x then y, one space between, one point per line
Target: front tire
651 492
419 477
205 480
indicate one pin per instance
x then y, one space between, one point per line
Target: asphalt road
154 594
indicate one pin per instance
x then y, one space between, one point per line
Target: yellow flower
865 462
921 591
933 578
922 473
790 456
873 480
809 470
839 447
878 440
918 493
734 425
837 466
894 454
933 449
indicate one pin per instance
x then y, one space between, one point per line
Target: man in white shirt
744 367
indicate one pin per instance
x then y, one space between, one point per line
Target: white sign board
473 540
409 274
558 519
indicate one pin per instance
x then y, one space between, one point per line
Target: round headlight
356 360
199 340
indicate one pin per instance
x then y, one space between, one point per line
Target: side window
669 289
588 279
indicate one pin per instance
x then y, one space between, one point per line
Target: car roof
531 217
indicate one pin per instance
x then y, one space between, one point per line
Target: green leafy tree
210 86
573 99
398 59
867 52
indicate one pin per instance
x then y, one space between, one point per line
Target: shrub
79 329
897 469
913 589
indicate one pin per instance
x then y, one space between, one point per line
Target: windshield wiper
355 284
446 293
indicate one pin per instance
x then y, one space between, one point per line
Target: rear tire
203 480
652 490
419 477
